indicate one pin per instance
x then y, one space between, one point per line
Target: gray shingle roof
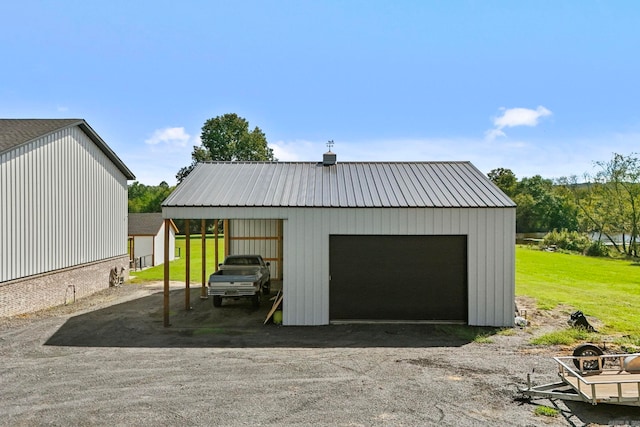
145 224
345 184
16 132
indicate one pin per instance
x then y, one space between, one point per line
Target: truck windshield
242 261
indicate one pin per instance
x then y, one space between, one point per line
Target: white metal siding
172 246
491 255
490 242
158 245
63 203
263 234
143 248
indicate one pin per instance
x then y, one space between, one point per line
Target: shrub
567 240
597 249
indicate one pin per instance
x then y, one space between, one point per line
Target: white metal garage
451 207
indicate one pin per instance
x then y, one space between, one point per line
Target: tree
619 180
609 201
227 138
542 206
505 179
147 198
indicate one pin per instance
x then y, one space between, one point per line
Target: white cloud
512 117
173 137
295 151
492 134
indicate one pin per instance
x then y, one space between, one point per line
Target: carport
365 241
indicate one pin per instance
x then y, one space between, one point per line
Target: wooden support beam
187 273
215 243
203 239
227 235
280 249
165 311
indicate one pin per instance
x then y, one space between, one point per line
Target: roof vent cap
329 158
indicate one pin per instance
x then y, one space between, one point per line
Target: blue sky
540 87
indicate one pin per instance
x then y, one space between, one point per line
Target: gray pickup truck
240 276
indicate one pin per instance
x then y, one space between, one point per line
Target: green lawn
607 289
178 267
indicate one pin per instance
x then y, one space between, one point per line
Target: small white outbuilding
367 241
146 240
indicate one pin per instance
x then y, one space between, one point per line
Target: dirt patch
108 360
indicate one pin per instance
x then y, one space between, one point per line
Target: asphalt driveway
107 360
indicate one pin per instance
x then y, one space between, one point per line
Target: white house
146 240
63 220
360 241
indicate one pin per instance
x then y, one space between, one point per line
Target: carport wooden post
203 239
165 311
227 234
187 273
215 238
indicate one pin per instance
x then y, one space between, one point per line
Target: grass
565 337
605 288
178 268
546 411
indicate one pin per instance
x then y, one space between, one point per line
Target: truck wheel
256 300
217 301
266 290
587 350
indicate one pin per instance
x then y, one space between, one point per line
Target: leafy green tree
619 180
228 138
505 179
543 206
609 202
147 198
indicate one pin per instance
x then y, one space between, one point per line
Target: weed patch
546 411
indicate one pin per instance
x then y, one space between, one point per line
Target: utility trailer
599 378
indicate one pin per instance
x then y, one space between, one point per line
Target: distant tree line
147 198
606 203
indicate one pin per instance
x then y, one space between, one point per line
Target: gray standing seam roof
145 224
343 185
16 132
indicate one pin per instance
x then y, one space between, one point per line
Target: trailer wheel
217 300
256 300
587 350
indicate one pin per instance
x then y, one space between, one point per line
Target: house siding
64 204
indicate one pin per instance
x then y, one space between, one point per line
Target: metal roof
343 185
16 132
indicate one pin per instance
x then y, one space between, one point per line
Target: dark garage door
398 278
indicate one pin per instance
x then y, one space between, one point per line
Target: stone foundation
57 287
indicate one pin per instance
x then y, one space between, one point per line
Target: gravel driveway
107 360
